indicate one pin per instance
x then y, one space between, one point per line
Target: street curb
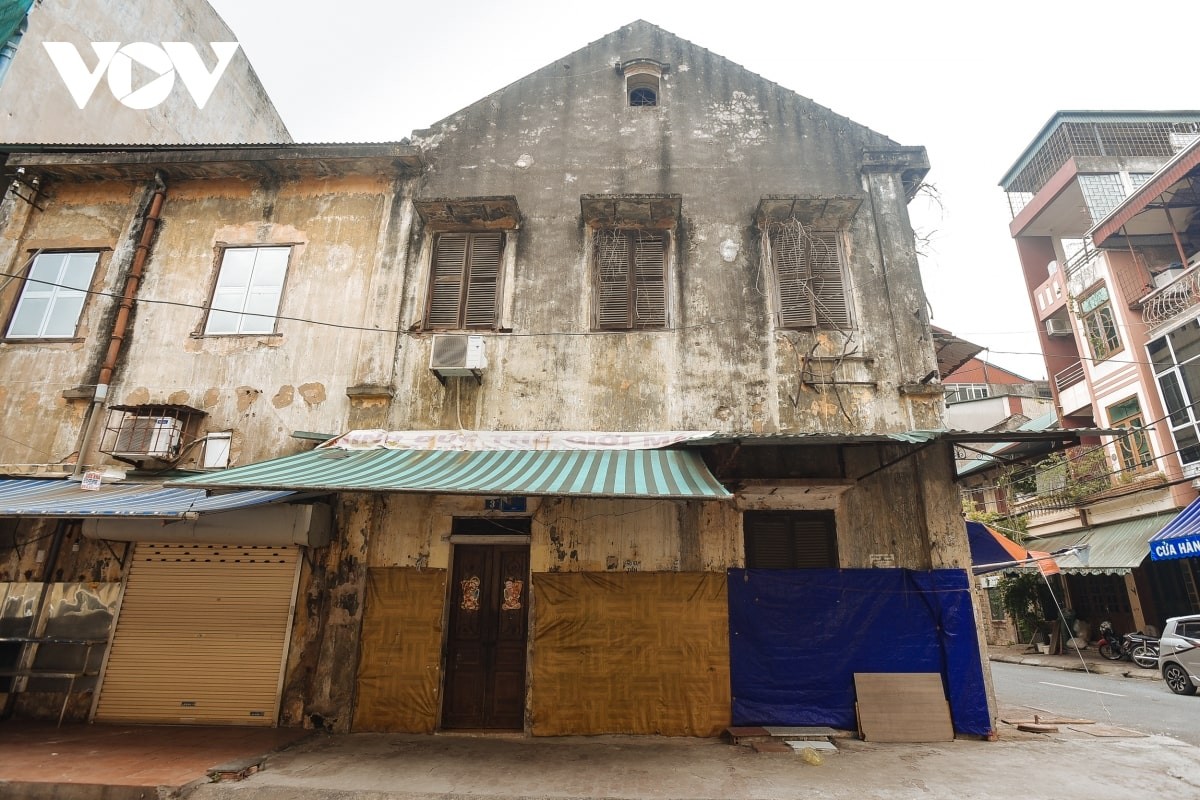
1068 666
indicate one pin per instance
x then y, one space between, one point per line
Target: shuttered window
809 278
465 280
790 540
631 279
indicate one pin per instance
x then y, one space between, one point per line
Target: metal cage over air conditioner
158 433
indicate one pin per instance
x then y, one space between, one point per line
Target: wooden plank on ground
903 707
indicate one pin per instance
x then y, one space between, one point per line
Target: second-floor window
810 282
249 287
1133 449
465 279
631 279
53 296
790 539
1100 324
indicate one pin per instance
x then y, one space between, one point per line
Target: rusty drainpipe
121 324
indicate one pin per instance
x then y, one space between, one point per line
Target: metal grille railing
1173 299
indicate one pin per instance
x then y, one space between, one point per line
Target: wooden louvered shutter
790 540
613 309
650 290
483 277
446 287
631 279
790 257
466 276
826 282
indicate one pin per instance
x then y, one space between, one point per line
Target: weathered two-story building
642 431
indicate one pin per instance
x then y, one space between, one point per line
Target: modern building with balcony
1108 265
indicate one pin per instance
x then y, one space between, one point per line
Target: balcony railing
1173 299
1069 376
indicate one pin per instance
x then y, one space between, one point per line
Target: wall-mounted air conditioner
1057 326
457 355
148 437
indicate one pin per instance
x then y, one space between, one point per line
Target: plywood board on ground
902 707
823 746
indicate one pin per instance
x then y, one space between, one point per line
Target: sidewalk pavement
108 762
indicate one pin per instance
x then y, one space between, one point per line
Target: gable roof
644 40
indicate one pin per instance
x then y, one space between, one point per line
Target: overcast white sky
972 82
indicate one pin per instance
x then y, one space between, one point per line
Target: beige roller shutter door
201 636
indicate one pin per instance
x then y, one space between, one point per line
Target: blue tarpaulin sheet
798 636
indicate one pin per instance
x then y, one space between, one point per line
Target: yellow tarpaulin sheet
399 672
634 653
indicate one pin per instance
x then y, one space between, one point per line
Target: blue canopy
1180 538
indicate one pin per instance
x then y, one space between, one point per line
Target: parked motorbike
1136 647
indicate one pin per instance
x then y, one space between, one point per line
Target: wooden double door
487 636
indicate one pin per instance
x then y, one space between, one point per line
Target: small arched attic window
643 81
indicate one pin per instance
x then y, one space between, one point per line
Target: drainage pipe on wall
120 326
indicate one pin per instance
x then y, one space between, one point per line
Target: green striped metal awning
588 473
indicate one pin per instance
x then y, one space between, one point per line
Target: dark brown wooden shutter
790 257
790 540
650 272
483 278
466 276
445 293
631 279
828 287
809 277
612 279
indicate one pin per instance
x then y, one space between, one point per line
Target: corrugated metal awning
589 473
1112 549
24 497
1180 537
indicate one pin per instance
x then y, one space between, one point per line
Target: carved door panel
486 640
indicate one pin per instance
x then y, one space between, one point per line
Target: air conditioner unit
1057 326
148 437
457 355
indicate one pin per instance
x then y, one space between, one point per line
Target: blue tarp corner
798 636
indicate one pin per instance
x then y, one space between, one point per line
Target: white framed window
961 392
246 296
52 298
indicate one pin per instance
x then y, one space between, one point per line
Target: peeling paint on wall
284 396
246 396
313 393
